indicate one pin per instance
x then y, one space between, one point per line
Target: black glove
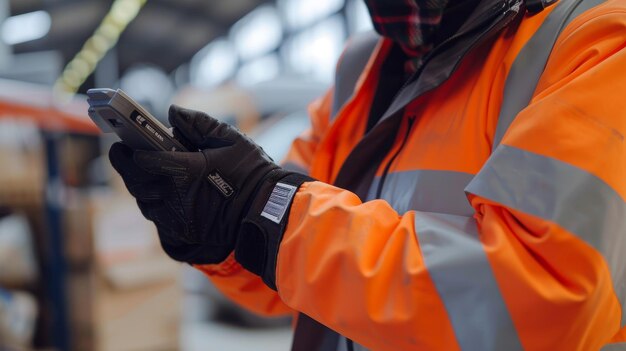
206 203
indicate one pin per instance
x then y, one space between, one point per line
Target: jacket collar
489 17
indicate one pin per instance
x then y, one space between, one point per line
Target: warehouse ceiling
166 33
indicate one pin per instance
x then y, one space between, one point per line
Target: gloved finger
121 158
139 183
156 189
181 252
183 140
200 129
173 228
182 165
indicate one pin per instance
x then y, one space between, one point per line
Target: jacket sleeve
244 288
541 264
237 283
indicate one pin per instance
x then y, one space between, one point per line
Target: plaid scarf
412 24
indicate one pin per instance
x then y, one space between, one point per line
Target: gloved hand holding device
228 196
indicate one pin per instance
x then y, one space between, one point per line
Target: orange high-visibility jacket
493 214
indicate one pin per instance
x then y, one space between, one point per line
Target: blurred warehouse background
80 269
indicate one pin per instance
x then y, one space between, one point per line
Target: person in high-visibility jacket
462 186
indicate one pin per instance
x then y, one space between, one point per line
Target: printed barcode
278 202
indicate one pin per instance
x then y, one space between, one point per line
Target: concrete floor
213 323
216 336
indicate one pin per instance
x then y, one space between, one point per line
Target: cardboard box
138 296
144 318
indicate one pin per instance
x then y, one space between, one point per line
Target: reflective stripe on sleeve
471 295
620 346
350 68
555 191
425 190
530 63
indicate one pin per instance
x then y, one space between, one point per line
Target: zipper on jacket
417 73
349 344
395 155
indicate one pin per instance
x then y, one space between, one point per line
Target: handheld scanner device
115 112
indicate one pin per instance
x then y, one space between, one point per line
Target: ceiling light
259 70
214 64
25 27
258 33
303 13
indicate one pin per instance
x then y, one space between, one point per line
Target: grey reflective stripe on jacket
448 238
426 190
576 200
529 64
350 68
620 346
475 306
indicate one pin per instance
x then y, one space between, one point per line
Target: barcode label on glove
278 202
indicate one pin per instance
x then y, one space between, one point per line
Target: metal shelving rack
36 103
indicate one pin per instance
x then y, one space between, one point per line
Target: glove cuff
263 227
